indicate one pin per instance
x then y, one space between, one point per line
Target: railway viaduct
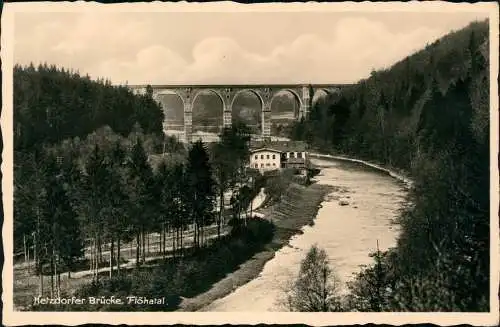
303 93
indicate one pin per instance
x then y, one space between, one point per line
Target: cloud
124 49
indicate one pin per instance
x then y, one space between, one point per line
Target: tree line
429 116
52 104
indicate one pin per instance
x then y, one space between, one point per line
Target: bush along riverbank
162 287
297 207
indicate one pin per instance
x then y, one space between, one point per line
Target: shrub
316 288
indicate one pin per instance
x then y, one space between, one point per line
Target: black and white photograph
267 159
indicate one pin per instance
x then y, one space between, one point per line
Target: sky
228 47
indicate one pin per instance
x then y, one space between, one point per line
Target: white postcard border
13 318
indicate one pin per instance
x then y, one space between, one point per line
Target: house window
268 164
274 165
292 155
261 165
256 157
262 156
274 156
267 156
299 155
256 165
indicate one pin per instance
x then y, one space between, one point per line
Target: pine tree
201 191
139 187
92 204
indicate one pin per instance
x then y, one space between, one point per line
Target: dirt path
26 284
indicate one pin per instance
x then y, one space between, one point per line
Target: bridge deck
181 86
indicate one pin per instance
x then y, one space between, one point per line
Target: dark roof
281 146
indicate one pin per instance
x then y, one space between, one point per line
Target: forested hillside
427 115
63 121
52 104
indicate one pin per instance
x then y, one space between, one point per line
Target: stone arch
295 95
205 91
210 122
317 97
250 91
234 115
172 118
277 122
170 92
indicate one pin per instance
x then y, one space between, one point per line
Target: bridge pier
188 121
227 117
266 119
306 102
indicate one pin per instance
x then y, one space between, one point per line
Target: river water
349 232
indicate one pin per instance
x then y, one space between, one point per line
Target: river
349 232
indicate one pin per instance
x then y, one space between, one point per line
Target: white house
276 155
265 159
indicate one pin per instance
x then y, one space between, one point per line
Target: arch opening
208 115
285 107
173 111
319 96
246 108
